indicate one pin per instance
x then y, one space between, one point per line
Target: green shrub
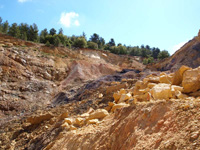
92 45
47 43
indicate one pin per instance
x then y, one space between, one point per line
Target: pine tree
5 27
14 31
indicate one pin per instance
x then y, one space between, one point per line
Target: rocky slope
156 112
56 98
187 55
31 75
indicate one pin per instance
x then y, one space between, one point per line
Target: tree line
52 37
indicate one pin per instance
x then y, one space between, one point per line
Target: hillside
187 55
58 98
32 74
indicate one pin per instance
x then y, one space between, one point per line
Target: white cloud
76 23
177 47
69 19
22 1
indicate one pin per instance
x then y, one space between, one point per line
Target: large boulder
161 91
178 75
98 114
191 80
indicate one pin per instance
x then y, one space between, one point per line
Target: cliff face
188 55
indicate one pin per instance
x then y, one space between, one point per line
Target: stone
79 121
115 83
115 88
63 115
90 110
116 97
122 91
110 104
93 121
164 79
151 85
161 91
72 127
191 80
100 95
124 97
124 80
178 75
118 106
180 95
98 114
143 97
85 115
176 91
154 79
68 120
38 119
65 125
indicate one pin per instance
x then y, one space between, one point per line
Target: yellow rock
116 97
162 73
68 120
180 95
118 106
93 121
154 79
191 80
110 104
63 115
164 79
72 127
98 114
65 126
161 91
178 75
85 115
100 95
79 121
144 97
38 119
145 80
124 80
176 90
122 91
115 83
115 88
151 85
124 97
90 110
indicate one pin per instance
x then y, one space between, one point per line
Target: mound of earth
188 55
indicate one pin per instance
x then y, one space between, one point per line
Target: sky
166 24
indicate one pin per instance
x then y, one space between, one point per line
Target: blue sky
166 24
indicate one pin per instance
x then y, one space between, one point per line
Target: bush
92 45
163 54
57 41
47 43
80 42
148 60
